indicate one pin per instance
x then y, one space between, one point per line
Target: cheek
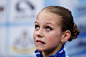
50 38
53 39
34 35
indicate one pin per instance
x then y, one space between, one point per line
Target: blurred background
17 19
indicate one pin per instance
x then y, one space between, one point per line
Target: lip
40 42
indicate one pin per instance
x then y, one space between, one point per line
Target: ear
66 35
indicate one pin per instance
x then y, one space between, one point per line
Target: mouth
40 42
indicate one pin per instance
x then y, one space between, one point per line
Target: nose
39 33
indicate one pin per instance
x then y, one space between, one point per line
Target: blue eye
48 28
36 26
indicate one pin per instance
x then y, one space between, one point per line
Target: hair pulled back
67 22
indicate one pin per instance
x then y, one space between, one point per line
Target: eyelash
36 26
47 27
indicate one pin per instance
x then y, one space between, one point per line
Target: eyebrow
36 22
46 23
49 23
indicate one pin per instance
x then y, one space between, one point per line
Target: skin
48 36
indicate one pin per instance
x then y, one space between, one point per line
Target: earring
62 42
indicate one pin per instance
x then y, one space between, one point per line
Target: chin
41 49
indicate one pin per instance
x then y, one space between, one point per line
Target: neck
51 51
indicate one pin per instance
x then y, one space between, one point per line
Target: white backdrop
17 25
17 19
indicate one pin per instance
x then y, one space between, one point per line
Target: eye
36 26
48 28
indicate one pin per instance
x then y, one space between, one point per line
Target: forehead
48 16
44 22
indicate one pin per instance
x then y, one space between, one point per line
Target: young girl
54 26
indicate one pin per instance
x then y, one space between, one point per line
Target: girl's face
47 34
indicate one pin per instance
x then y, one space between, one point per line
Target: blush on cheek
53 40
50 39
34 35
